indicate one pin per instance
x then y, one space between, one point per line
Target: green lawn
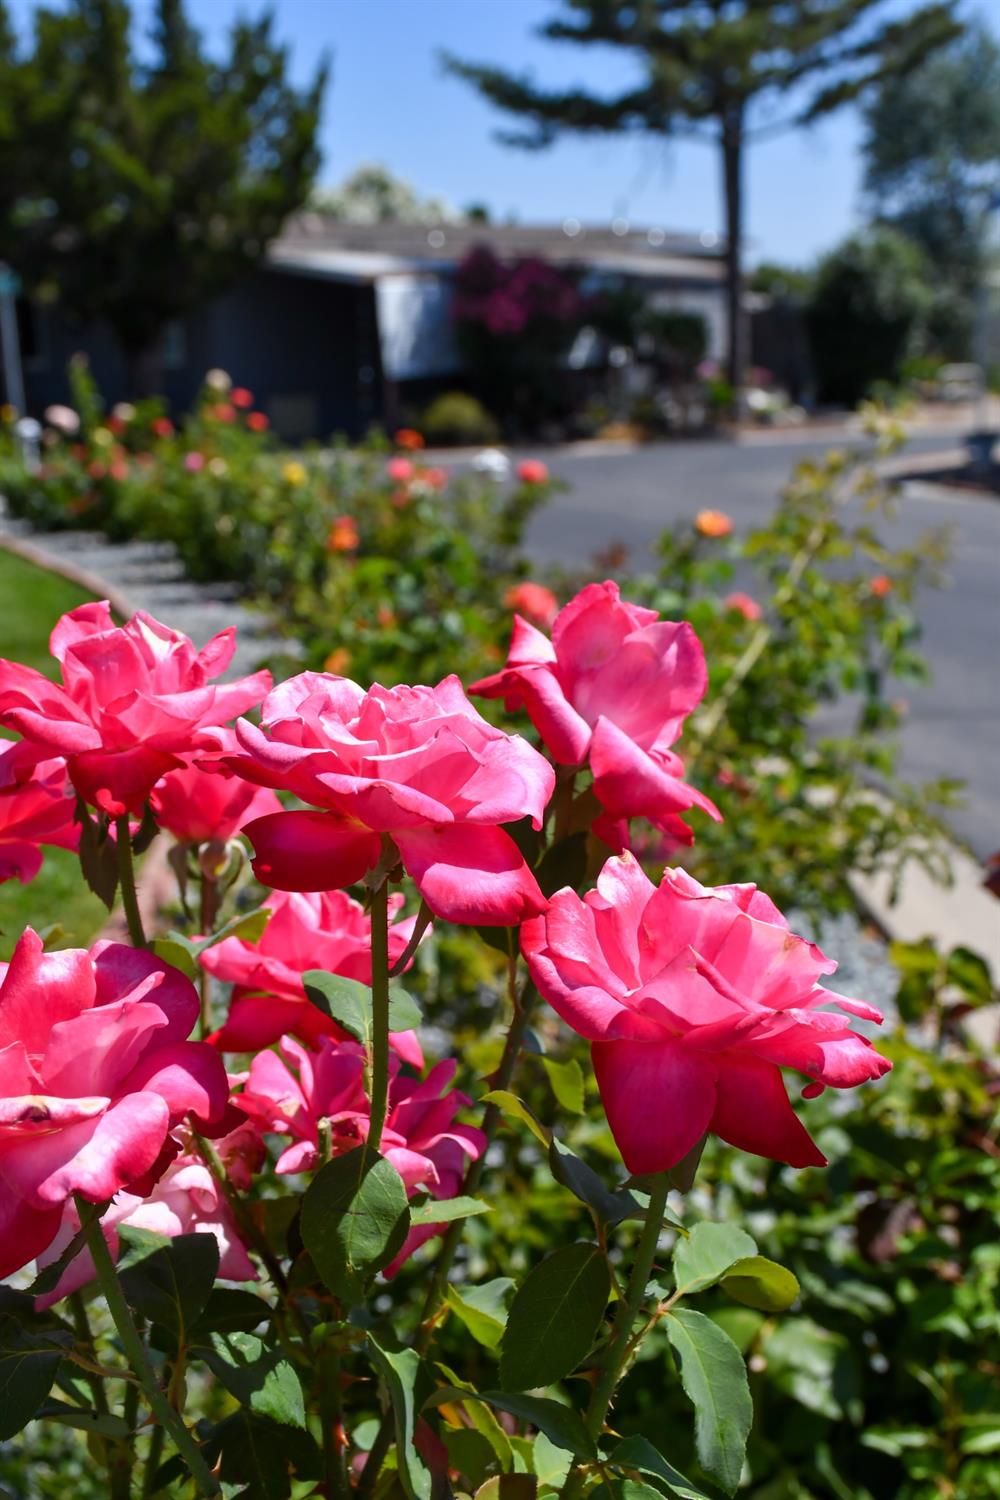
31 601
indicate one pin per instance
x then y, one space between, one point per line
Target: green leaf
742 1324
562 1425
177 950
897 1441
550 1464
714 1378
707 1254
230 1310
584 1183
638 1453
257 1457
104 1424
346 1001
566 1079
349 1003
483 1420
98 855
404 1012
28 1363
399 1371
483 1309
510 1105
508 1487
971 974
169 1282
636 1489
469 1451
260 1378
445 1210
247 925
554 1317
563 864
355 1218
759 1282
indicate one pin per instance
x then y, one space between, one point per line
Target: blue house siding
308 349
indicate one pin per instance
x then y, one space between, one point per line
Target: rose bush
414 1249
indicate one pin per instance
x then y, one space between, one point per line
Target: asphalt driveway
626 497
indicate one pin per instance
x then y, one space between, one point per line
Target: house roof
315 244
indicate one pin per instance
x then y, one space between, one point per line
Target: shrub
865 313
457 418
391 562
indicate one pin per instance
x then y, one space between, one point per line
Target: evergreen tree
133 190
932 168
725 71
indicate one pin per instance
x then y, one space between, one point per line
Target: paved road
953 727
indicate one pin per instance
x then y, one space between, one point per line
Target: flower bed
464 1156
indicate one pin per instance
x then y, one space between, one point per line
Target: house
344 325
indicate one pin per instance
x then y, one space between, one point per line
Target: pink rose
34 809
95 1069
185 1200
200 806
532 471
693 999
319 930
132 700
418 765
400 470
743 604
421 1139
612 687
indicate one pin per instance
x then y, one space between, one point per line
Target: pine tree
721 71
134 190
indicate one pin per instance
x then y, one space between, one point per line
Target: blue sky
390 102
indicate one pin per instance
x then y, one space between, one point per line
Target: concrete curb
30 552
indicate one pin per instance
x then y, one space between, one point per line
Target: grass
31 601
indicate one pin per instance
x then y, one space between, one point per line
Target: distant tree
135 190
870 299
783 283
932 167
374 195
718 70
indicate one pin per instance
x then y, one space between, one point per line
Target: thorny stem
153 1460
629 1307
453 1234
126 882
209 910
138 1359
81 1326
420 926
332 1419
251 1233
